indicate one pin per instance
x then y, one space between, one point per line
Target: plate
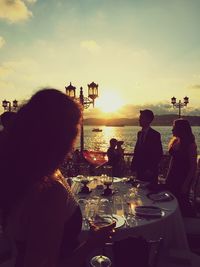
105 220
79 178
117 179
161 196
149 211
119 220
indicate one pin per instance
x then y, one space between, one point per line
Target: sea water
99 141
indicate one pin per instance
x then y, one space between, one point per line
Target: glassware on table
103 217
118 205
100 261
132 199
85 181
104 213
83 205
91 208
107 181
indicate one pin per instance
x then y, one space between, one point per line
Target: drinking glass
103 217
85 180
118 205
83 206
100 261
91 208
107 181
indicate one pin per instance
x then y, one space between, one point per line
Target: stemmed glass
107 181
85 180
103 217
83 204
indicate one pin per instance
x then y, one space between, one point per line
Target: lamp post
8 106
180 104
84 101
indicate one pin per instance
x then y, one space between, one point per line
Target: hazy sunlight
109 102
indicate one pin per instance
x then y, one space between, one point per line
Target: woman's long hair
183 133
41 135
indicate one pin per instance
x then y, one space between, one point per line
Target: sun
109 102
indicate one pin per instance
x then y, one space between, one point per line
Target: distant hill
160 120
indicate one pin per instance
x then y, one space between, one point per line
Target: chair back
136 251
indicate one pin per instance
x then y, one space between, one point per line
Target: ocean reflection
99 141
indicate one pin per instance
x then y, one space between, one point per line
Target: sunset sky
140 52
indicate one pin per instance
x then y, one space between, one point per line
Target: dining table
138 211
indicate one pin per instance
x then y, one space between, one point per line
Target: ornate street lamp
180 104
7 105
84 101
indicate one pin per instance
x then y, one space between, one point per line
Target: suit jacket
147 155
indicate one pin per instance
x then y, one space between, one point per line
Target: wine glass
83 203
107 181
103 217
100 260
85 180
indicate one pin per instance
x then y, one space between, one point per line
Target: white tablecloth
170 226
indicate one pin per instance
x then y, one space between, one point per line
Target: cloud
31 1
90 45
195 86
14 11
132 111
2 41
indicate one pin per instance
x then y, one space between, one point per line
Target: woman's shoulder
49 189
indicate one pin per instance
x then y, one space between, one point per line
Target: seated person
40 213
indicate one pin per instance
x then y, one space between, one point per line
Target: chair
192 229
136 251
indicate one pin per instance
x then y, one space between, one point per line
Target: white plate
117 179
162 196
78 179
148 211
119 220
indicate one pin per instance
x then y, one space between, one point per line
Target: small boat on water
97 130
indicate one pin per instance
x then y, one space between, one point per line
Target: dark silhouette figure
112 156
183 164
6 118
120 159
148 150
40 213
6 121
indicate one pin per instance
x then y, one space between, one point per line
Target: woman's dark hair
184 131
41 135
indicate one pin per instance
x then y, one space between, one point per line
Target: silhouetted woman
39 211
183 163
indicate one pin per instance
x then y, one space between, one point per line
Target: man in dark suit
148 150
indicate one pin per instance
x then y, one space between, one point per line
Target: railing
71 167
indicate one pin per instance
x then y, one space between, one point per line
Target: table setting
132 203
136 210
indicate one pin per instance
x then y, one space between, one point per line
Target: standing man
113 156
148 150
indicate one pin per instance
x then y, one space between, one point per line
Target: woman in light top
183 163
40 213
